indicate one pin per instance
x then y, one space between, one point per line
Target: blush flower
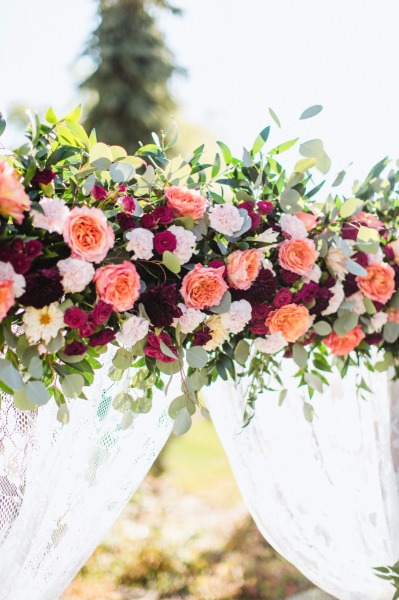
293 226
13 198
243 268
88 234
203 287
379 283
54 215
291 320
308 219
7 300
76 274
133 330
342 345
270 344
118 285
190 319
185 243
237 317
226 219
185 202
298 255
141 242
7 273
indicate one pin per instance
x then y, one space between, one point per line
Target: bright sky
241 57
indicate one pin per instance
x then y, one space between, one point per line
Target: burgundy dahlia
350 230
262 289
288 276
361 258
308 292
148 221
259 328
17 245
21 263
5 253
125 221
165 241
42 288
101 313
75 317
102 337
374 339
261 311
163 214
33 248
45 177
75 348
153 348
350 285
322 300
160 303
202 337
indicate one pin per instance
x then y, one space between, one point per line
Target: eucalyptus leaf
35 367
350 207
300 356
72 385
308 411
122 172
171 262
122 359
182 422
346 323
274 117
10 375
37 393
176 405
122 402
310 112
168 368
63 414
390 332
356 269
100 156
224 305
197 357
260 141
21 401
88 184
241 352
314 381
291 201
322 328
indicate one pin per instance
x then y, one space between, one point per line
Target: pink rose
118 285
243 267
88 234
203 287
13 199
185 202
367 219
298 255
6 297
309 220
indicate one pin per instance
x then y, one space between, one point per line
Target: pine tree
131 79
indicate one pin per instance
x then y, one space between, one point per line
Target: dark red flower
350 230
259 329
33 248
361 258
164 241
329 282
216 263
21 263
87 329
374 339
128 204
255 219
350 285
101 313
248 206
148 221
322 300
5 252
261 311
289 276
75 317
163 215
102 337
121 188
160 303
262 289
42 288
153 348
202 337
282 298
308 292
265 207
125 221
98 192
75 348
17 245
45 177
389 253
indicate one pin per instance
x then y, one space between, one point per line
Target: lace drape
325 493
62 487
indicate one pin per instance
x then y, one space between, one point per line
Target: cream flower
54 216
378 321
141 243
190 318
269 236
337 261
43 324
225 219
359 307
293 226
76 274
270 344
133 330
314 275
238 316
218 332
185 241
336 300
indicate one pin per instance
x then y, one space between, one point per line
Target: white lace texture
62 486
325 493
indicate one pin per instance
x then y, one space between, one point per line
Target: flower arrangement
207 269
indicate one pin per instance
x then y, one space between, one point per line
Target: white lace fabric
324 494
62 486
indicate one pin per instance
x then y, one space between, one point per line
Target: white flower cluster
190 319
54 215
335 300
238 316
225 219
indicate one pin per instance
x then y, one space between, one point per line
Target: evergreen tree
131 79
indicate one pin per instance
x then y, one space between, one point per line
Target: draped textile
324 494
63 486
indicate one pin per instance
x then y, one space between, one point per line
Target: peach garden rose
243 267
6 297
88 234
203 287
13 199
291 320
379 283
118 285
298 255
185 202
342 345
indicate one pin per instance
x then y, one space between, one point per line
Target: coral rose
243 267
13 199
298 255
379 283
291 320
394 246
88 234
203 287
310 221
341 345
185 202
367 219
119 285
6 297
393 315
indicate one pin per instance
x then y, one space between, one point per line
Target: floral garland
211 269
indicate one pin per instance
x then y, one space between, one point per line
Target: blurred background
215 67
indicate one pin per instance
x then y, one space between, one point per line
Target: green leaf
182 422
21 401
283 147
224 305
390 332
350 207
345 323
308 411
51 117
274 117
55 344
35 367
3 124
322 328
394 301
117 153
226 153
37 393
291 201
88 184
367 234
100 156
300 356
304 164
260 140
216 166
356 269
74 115
176 405
121 172
63 414
167 351
122 359
369 306
171 262
339 179
314 382
241 352
168 368
197 357
122 402
72 385
310 112
282 396
10 376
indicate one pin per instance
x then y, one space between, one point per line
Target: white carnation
376 258
225 219
190 319
7 273
337 261
76 274
378 321
141 242
133 330
313 275
54 216
359 307
270 344
293 226
238 316
336 300
185 240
